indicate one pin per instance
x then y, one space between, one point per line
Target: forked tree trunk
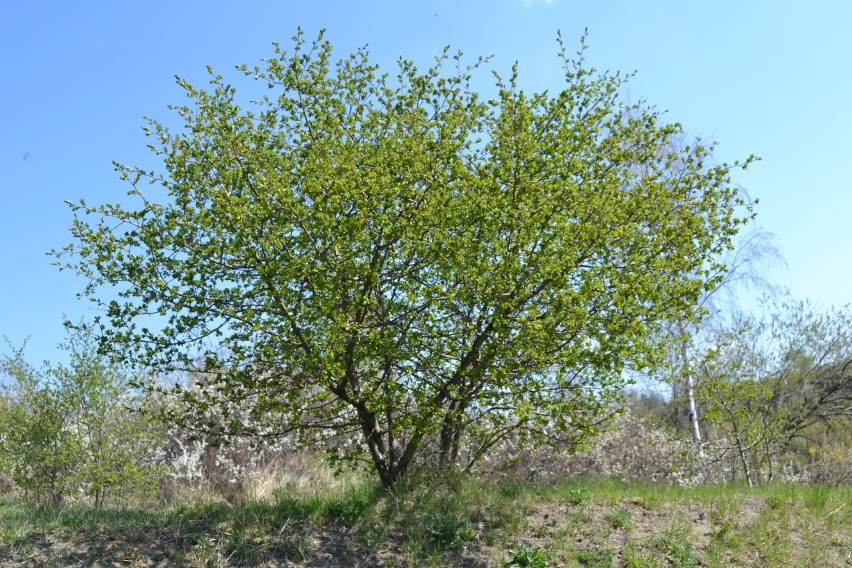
390 466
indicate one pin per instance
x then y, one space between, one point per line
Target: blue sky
772 78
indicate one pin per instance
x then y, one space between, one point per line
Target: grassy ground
454 523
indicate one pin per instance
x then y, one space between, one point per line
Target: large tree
399 256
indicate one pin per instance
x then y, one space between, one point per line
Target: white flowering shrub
237 452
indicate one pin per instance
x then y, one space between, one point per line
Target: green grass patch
441 520
621 518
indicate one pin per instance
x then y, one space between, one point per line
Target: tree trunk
451 435
390 466
690 392
693 413
743 458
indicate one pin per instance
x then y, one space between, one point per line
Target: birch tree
746 272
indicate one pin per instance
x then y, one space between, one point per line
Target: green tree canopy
395 255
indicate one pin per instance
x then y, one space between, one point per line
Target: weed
621 518
177 557
448 530
677 546
724 521
816 498
297 547
633 557
775 502
597 558
523 556
204 553
352 507
679 553
839 542
540 530
511 490
577 496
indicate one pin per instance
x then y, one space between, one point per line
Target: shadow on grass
364 527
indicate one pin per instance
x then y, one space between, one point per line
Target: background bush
74 431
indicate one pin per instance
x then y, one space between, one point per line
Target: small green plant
297 547
577 496
204 553
621 518
677 546
448 530
576 521
775 502
239 544
680 554
817 498
597 558
633 557
523 556
724 525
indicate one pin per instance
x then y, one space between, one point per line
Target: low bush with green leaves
70 432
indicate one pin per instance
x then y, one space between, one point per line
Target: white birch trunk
690 391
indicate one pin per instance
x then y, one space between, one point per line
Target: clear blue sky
772 78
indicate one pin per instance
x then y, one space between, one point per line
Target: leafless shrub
830 465
7 485
631 448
